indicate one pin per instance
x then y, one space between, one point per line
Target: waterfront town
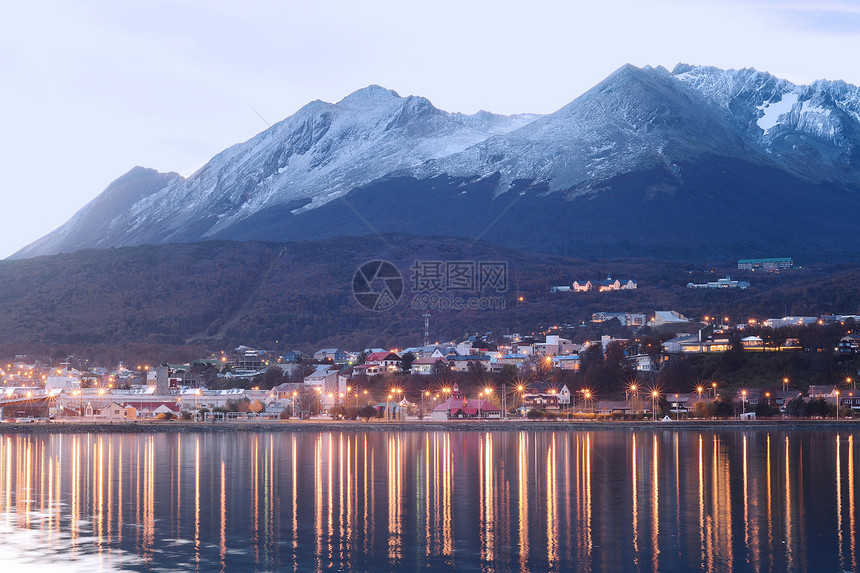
671 368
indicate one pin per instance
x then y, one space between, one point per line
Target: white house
428 365
379 362
116 412
324 377
461 363
662 317
554 346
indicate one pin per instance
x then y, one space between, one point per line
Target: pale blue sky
93 88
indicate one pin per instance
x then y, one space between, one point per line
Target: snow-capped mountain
632 120
318 154
643 145
812 128
640 118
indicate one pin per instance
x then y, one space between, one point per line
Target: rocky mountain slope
219 294
696 162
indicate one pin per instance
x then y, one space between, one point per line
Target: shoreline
152 426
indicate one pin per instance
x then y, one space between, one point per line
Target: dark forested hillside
217 294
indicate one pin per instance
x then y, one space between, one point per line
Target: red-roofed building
383 361
463 409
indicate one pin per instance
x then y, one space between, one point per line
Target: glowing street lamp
784 383
743 402
631 390
654 396
837 405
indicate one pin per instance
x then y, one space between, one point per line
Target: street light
80 402
743 402
699 390
837 405
630 390
504 400
520 389
784 383
654 396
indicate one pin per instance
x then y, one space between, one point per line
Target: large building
602 286
662 317
625 318
720 283
765 264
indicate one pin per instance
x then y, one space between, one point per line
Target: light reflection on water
501 501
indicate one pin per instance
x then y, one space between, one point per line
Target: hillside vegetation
214 295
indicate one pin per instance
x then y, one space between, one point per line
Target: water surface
483 501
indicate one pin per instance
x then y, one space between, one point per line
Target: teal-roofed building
765 264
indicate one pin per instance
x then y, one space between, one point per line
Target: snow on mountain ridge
629 120
321 152
648 120
777 102
773 110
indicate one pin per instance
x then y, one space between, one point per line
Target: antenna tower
426 316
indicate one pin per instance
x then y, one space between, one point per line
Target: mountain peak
643 131
370 96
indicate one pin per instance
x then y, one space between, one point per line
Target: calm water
497 501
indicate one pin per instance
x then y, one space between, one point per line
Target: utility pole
504 400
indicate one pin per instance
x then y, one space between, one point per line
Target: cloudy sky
92 88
